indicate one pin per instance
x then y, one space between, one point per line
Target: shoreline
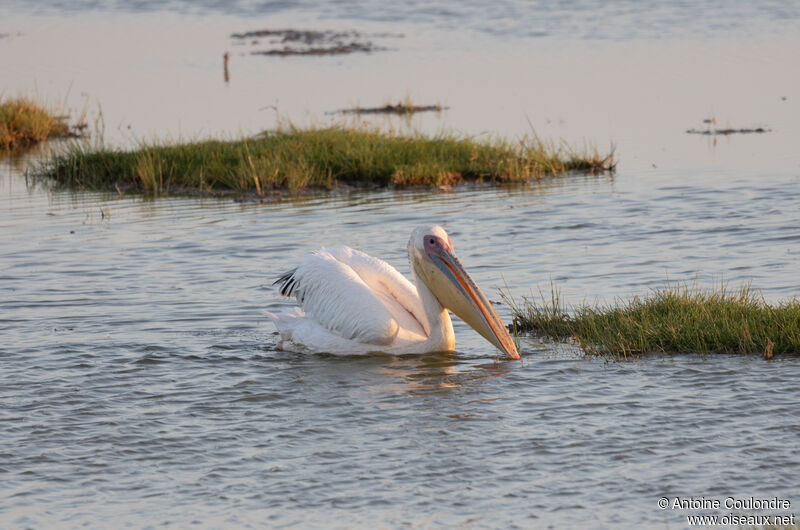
298 160
678 318
665 87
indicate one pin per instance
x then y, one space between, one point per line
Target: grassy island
321 158
677 318
24 123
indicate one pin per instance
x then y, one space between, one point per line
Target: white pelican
353 303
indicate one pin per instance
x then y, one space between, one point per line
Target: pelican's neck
441 337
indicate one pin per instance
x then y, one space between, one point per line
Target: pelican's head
435 264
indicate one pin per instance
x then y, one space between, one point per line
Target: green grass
296 159
678 318
24 123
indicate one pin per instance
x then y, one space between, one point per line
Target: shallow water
159 75
582 19
139 381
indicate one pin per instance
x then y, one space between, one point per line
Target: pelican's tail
286 321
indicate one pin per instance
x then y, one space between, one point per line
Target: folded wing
355 296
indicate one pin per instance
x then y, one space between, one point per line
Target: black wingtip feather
287 282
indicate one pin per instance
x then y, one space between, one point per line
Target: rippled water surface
139 381
587 19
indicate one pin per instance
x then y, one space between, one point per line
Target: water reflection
543 88
138 342
435 373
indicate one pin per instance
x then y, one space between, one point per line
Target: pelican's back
353 295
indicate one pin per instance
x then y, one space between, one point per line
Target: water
139 381
583 19
159 74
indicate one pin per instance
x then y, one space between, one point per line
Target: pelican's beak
446 278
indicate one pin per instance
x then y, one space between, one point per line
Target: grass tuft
678 318
24 123
319 158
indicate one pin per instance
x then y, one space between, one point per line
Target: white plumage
350 302
353 303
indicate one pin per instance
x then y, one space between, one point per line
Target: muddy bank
288 42
723 132
711 129
399 108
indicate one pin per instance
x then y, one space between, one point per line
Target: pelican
351 302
